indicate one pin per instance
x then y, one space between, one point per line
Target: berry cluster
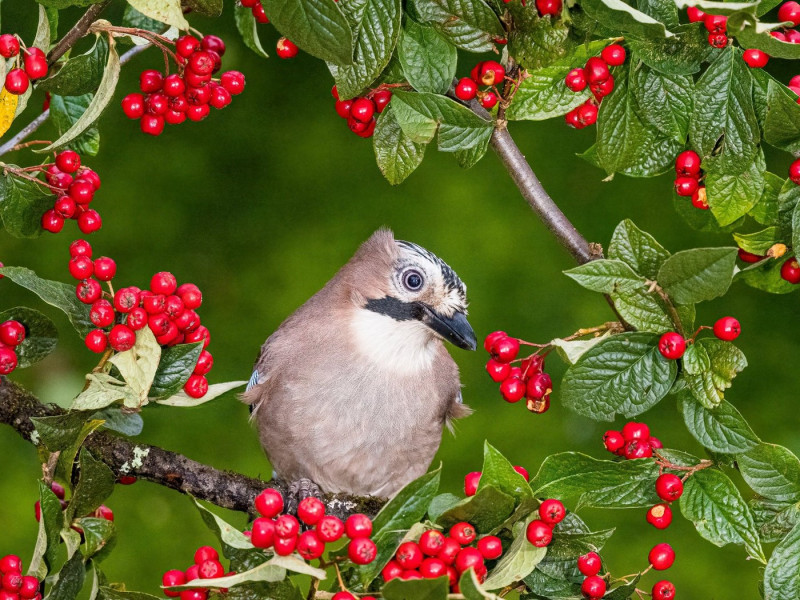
540 531
15 585
597 75
716 25
361 111
472 479
488 73
32 67
257 9
75 187
545 7
187 94
634 441
525 381
436 555
12 334
281 532
206 566
687 178
166 308
672 344
593 586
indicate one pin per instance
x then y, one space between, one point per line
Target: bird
353 390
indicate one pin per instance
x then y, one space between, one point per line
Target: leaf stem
31 143
673 312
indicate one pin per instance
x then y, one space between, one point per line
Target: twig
38 121
673 312
77 32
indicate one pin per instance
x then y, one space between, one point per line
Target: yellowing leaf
166 11
8 108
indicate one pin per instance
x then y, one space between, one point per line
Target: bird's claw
300 490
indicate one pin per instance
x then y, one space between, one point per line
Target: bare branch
77 32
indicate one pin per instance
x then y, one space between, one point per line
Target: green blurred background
260 205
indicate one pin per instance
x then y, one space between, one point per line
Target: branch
38 121
125 457
77 32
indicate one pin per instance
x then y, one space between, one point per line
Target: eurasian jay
352 391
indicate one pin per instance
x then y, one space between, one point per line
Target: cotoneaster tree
668 85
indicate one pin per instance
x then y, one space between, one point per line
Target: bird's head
414 288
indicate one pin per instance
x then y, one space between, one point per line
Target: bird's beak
455 329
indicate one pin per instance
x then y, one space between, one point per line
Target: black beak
455 329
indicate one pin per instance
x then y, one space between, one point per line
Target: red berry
170 578
778 35
343 107
210 569
81 267
672 345
792 36
571 119
343 596
755 59
512 389
196 386
659 516
669 487
488 100
213 43
358 526
88 291
17 82
8 360
655 443
614 55
174 85
12 333
490 547
194 593
467 558
466 89
613 441
471 483
195 80
136 319
286 48
68 161
197 96
121 338
409 555
105 268
687 164
727 329
190 295
29 588
233 81
552 512
220 97
635 431
270 503
576 80
11 563
9 45
505 349
152 124
285 546
35 64
309 546
150 80
638 449
186 45
259 14
695 14
790 270
492 338
80 248
749 257
794 172
548 7
490 72
449 551
522 471
539 386
204 553
133 106
192 573
102 313
381 98
590 564
362 551
311 510
661 557
330 528
362 110
663 590
201 333
431 542
52 221
431 568
715 23
163 283
699 199
789 11
12 582
596 70
593 587
65 207
96 340
463 533
718 40
263 533
685 186
539 533
603 89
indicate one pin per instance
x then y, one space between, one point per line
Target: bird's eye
412 280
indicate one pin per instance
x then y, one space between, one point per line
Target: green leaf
95 484
468 24
543 95
319 28
55 293
499 473
537 42
471 589
643 309
397 154
214 391
766 209
624 591
692 276
782 575
429 61
757 35
102 97
41 335
99 535
664 11
724 118
572 350
721 429
709 383
773 519
79 75
376 27
626 143
133 18
623 374
553 586
518 560
771 471
599 483
138 366
174 368
758 242
129 424
420 115
22 204
416 589
225 532
606 276
712 503
58 432
102 390
166 11
637 248
70 579
65 111
273 570
698 219
47 542
732 191
664 102
469 157
42 38
487 509
208 8
571 545
681 54
622 17
248 28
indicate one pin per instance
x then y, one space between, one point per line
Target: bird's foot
300 490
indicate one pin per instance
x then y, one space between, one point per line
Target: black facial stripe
397 309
